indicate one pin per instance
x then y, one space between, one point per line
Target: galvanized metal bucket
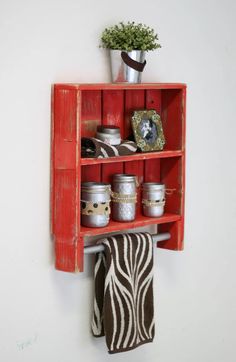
127 66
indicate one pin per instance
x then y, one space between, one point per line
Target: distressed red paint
77 109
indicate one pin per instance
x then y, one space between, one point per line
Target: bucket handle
132 63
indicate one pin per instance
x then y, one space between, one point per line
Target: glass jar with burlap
95 204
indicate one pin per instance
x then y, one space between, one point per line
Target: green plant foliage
129 36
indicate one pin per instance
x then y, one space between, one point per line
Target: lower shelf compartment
114 226
69 253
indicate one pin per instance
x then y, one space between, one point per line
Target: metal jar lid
95 187
121 177
153 186
112 130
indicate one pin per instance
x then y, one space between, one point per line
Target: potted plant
127 44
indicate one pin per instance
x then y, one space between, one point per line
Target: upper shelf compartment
115 106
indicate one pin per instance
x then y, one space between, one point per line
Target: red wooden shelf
137 156
77 110
138 222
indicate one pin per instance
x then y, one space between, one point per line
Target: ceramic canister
95 204
124 197
109 134
153 199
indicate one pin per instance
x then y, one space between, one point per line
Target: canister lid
109 130
122 177
153 186
95 186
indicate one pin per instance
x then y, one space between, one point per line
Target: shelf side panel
172 176
64 210
172 118
64 129
63 174
176 231
65 256
65 220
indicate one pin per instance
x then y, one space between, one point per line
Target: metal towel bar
98 248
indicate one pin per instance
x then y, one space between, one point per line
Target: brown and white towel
92 147
123 301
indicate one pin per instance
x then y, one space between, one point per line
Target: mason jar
95 204
109 134
153 199
124 197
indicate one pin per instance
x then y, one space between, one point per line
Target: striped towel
123 301
92 147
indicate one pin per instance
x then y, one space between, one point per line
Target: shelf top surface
117 86
137 156
140 221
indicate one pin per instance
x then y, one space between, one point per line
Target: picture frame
147 130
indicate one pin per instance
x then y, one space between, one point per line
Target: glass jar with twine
124 197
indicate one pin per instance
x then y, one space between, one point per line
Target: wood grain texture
113 109
64 205
90 112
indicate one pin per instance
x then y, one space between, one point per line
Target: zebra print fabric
123 301
92 147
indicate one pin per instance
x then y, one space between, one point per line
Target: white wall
45 314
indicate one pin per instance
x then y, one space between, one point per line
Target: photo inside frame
147 130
